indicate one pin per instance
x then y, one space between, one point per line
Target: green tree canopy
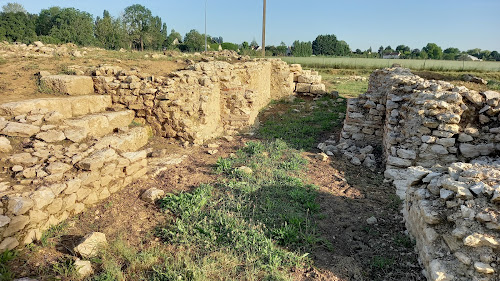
110 33
17 27
137 19
433 51
451 53
14 8
302 49
325 45
194 41
66 25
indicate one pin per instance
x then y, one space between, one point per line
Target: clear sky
362 24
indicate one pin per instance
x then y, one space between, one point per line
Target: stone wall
431 134
201 102
59 156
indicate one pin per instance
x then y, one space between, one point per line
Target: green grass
53 234
373 63
263 222
302 125
5 273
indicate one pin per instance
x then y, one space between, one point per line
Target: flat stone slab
68 107
73 85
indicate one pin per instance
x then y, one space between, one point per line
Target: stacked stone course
201 102
59 156
437 140
307 82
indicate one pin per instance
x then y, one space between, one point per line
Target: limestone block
4 220
51 136
83 268
97 160
90 245
398 162
152 194
42 198
16 223
72 85
309 79
318 89
8 243
14 129
5 145
19 205
303 88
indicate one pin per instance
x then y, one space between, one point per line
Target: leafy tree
302 49
137 19
433 51
415 53
14 8
495 56
171 38
342 48
451 53
110 33
254 44
281 50
245 45
423 54
324 45
194 41
381 51
66 25
229 46
403 49
17 27
388 49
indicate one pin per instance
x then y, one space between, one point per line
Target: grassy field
369 63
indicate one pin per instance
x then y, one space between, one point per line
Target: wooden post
264 30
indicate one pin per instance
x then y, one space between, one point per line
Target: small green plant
223 165
45 89
253 147
381 262
67 71
53 233
404 240
65 268
395 202
5 257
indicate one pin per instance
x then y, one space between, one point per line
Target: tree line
139 29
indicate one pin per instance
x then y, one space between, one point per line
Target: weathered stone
438 272
479 240
72 85
16 224
5 144
322 157
57 168
407 154
483 268
152 194
245 170
15 129
4 220
398 162
83 268
19 205
97 160
91 244
8 243
469 150
42 198
51 136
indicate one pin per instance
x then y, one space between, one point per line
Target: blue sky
362 24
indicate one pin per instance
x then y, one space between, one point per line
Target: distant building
176 42
473 58
394 55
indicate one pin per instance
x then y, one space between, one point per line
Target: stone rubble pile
60 155
38 49
201 102
307 82
435 138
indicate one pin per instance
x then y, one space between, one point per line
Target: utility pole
264 30
205 26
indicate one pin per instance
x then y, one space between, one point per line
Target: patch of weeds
135 124
493 85
395 202
31 66
258 225
223 165
52 234
44 89
3 60
381 262
65 268
65 70
404 240
303 124
5 273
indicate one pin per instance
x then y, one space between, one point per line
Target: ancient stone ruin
439 144
61 155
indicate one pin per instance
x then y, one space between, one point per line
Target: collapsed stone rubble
439 144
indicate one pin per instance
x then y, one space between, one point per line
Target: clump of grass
257 224
304 124
54 233
67 71
5 273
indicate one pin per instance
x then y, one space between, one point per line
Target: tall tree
194 41
66 25
110 33
137 19
433 51
17 27
14 8
324 45
451 53
302 49
172 37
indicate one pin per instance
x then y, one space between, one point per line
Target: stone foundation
431 134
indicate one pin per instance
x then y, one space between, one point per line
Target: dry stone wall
439 144
203 101
59 156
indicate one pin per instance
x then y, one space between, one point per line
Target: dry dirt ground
349 195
